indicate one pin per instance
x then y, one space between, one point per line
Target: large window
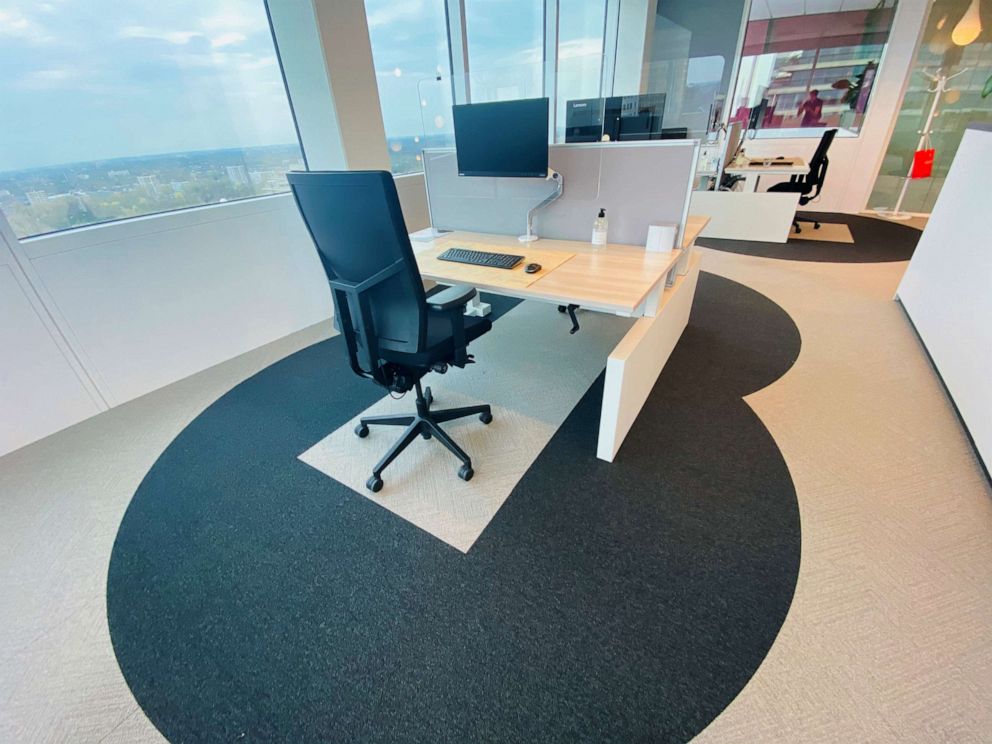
409 49
119 109
505 49
801 73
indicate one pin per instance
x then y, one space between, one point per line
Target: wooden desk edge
693 227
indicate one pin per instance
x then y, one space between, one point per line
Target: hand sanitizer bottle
599 229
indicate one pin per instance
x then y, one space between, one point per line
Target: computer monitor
732 144
628 118
504 138
757 116
584 120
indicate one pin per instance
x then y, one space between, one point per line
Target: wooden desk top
799 166
614 278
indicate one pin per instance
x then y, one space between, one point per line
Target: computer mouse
532 268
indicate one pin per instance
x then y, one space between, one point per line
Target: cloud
406 10
47 79
226 39
143 32
232 17
590 46
16 25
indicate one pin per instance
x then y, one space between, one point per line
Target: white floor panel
422 485
513 376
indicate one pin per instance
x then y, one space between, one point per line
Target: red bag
922 163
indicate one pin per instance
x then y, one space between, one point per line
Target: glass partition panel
962 103
580 55
698 39
804 72
409 43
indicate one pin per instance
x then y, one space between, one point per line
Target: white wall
155 299
111 312
946 288
42 387
138 304
855 161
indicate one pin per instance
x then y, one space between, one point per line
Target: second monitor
618 119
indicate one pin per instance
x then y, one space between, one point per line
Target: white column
327 62
635 20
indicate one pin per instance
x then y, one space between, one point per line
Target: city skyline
50 198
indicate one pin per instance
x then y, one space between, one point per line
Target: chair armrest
452 301
451 297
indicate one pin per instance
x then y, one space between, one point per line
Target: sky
94 79
97 79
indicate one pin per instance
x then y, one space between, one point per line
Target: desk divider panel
638 183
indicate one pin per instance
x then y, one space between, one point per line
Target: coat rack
939 87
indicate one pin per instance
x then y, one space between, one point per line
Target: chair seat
790 187
439 345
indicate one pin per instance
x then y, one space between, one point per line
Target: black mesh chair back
355 221
819 162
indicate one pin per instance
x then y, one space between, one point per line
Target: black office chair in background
809 185
394 333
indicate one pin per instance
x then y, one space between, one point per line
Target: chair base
795 224
425 423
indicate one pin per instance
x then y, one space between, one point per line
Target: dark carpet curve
875 241
251 598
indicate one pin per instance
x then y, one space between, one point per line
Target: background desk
656 288
753 173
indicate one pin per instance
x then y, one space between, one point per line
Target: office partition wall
639 184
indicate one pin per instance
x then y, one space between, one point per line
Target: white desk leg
477 307
682 267
633 367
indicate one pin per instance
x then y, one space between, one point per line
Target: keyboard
481 258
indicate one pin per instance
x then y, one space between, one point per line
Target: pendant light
969 27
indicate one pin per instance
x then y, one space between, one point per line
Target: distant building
118 173
238 175
178 187
256 177
149 184
36 197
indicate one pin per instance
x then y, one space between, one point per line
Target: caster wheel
486 418
429 397
425 434
374 484
562 309
362 431
465 472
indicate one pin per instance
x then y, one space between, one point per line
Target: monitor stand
553 175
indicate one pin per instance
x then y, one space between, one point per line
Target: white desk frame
633 367
753 173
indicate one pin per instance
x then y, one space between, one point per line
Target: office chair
810 185
394 333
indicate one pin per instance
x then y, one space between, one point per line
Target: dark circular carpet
252 598
875 241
